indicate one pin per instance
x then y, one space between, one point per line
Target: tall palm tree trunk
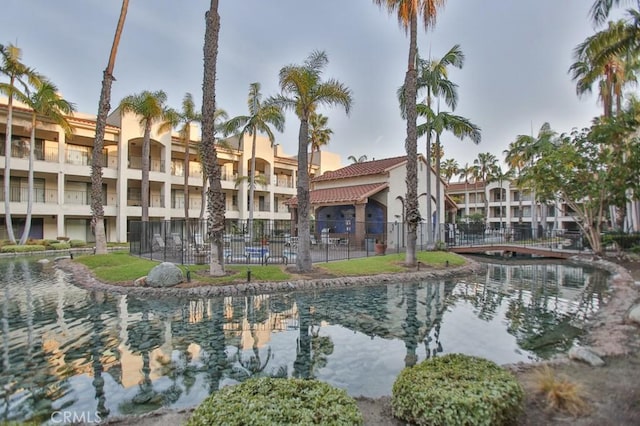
429 194
303 258
252 184
27 223
215 196
144 196
7 168
97 209
187 137
438 185
411 146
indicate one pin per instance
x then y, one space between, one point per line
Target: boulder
634 314
165 274
580 353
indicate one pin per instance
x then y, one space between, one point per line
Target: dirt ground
612 392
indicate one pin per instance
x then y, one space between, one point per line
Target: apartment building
507 206
62 176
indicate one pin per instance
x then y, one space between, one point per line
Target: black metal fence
276 241
262 241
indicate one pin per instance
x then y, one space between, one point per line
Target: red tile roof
362 169
346 194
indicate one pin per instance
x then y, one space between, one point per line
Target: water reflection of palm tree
96 299
216 361
302 367
144 337
322 347
253 365
411 326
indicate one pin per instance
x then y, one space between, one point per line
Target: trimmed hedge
457 389
22 249
265 401
60 246
78 243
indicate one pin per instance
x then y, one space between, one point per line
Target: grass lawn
390 263
120 266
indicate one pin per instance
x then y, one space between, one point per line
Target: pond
65 349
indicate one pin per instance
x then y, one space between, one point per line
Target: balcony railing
81 157
77 197
178 203
21 195
284 181
154 165
229 176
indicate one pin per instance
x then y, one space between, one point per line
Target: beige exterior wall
552 216
63 170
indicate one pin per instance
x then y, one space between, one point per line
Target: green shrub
265 401
78 243
60 246
456 389
63 238
22 249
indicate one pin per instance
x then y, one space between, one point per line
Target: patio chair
276 252
158 243
198 242
176 242
236 253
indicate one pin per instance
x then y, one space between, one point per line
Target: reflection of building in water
569 287
252 319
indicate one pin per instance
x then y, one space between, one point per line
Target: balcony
154 165
81 157
284 181
230 177
21 195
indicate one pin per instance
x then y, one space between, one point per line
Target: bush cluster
456 389
264 401
60 243
78 243
22 249
60 246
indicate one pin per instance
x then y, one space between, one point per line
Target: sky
515 76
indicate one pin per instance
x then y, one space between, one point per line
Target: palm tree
219 116
407 12
498 175
215 196
433 77
601 8
184 119
461 127
104 105
485 163
449 168
515 159
354 160
303 91
17 72
465 173
48 104
612 72
150 107
319 134
261 115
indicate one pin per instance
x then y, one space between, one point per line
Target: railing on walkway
521 236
